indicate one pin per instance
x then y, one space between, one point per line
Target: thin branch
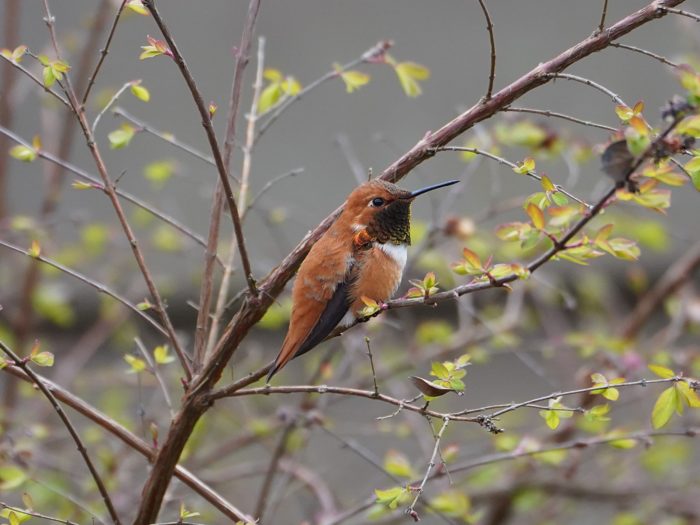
547 113
591 83
679 273
681 12
601 24
36 80
211 136
501 160
22 364
411 510
165 136
156 372
655 56
109 104
36 514
271 470
643 436
356 167
101 288
492 42
269 184
367 57
371 363
99 186
135 443
103 53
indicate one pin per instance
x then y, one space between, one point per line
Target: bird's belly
379 277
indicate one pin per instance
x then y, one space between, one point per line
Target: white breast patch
398 252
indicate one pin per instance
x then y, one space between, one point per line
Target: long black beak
433 187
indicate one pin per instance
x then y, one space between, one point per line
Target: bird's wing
320 321
334 311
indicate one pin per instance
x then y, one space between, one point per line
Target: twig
501 160
269 184
36 514
356 167
411 511
372 53
22 364
680 12
601 25
270 473
655 56
679 273
135 443
547 113
371 363
156 372
103 53
643 436
492 42
109 104
36 80
99 186
166 137
101 288
591 83
211 136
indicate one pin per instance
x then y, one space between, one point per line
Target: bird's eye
377 202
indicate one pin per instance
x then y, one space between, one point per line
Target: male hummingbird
362 254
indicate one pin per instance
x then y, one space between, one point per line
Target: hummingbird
363 253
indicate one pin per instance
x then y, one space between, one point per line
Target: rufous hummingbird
362 254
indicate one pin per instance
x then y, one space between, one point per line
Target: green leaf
166 240
269 97
662 371
140 92
137 7
162 356
664 407
353 79
397 464
159 172
23 153
525 167
120 138
551 417
536 216
409 73
43 359
439 370
452 503
11 477
688 395
391 497
136 363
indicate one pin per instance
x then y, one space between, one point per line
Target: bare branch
547 113
655 56
687 14
588 82
604 13
103 52
492 42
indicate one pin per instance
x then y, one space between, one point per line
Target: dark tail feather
275 368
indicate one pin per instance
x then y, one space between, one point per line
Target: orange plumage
362 254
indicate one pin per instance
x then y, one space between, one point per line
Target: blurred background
327 138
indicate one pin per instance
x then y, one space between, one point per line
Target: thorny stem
22 364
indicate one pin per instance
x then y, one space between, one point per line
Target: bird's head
384 210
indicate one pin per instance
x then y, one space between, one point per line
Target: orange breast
379 275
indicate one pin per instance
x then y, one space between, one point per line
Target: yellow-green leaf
662 371
536 216
409 73
137 7
43 359
398 464
664 407
162 356
23 153
140 92
136 363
